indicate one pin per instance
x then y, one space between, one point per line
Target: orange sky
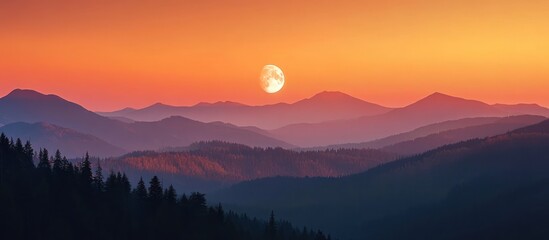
106 55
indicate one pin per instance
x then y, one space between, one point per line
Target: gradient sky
107 55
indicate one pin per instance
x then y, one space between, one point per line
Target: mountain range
416 133
359 172
462 183
209 166
324 119
432 141
432 109
32 107
324 106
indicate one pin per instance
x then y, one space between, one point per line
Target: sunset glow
113 54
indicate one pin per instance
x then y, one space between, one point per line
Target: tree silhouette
271 230
57 163
170 196
68 203
86 171
155 190
141 191
44 160
125 184
98 178
29 155
197 200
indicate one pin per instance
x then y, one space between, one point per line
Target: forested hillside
59 200
494 188
209 165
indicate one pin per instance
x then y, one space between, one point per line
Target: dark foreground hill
59 200
492 188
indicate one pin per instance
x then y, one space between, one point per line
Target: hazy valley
352 171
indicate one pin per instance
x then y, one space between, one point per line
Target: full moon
272 78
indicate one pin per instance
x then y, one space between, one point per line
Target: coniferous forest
55 199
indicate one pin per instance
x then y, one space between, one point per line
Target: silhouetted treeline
59 200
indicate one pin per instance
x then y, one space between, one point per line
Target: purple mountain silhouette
416 133
31 107
517 109
324 106
436 140
434 108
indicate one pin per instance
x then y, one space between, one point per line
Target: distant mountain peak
117 113
27 96
178 120
219 103
127 109
331 95
158 105
24 93
438 98
439 95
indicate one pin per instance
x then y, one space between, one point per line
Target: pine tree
44 161
57 163
86 171
98 178
271 227
4 142
18 147
125 185
155 190
141 191
184 201
110 183
170 195
304 234
220 214
197 201
29 155
67 166
320 236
